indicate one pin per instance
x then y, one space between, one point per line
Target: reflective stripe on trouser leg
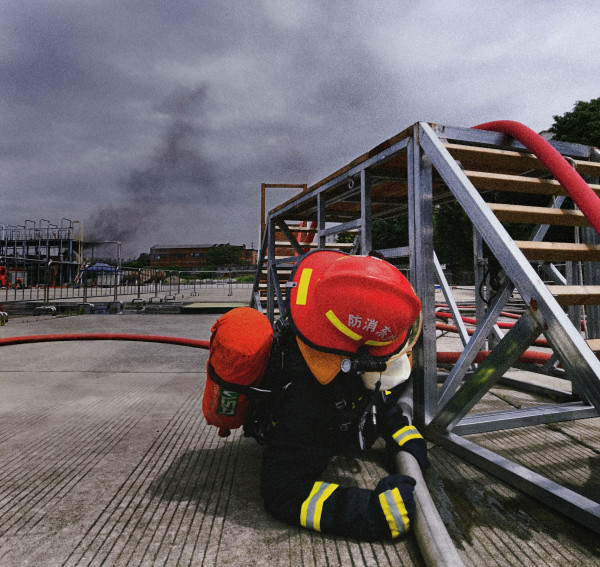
395 512
312 507
406 434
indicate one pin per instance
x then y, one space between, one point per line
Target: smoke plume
175 174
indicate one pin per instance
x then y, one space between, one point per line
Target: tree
581 125
142 261
390 233
224 255
453 236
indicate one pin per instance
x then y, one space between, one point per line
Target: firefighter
346 316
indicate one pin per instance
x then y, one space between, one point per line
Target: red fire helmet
339 302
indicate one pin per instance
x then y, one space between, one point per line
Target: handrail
584 197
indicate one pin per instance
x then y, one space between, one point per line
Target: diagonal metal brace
470 351
506 353
288 234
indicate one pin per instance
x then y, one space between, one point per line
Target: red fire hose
104 337
443 357
587 201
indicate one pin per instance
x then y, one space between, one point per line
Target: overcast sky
155 121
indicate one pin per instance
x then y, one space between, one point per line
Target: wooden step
303 229
328 245
559 251
594 344
283 278
576 294
263 285
538 215
518 184
472 156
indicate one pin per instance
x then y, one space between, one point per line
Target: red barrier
530 357
452 329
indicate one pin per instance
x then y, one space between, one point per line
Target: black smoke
177 173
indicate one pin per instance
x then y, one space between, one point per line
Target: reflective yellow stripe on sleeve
395 512
406 434
312 507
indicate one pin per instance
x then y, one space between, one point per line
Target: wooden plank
576 294
559 251
587 167
504 160
517 183
510 159
538 215
328 245
594 344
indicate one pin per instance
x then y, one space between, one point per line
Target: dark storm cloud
156 122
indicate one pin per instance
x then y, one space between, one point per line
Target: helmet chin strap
364 362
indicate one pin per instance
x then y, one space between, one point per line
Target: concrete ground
105 459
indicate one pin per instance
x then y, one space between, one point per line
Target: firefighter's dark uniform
312 422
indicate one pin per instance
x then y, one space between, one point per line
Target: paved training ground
105 459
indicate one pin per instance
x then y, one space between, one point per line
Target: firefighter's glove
394 500
418 449
399 435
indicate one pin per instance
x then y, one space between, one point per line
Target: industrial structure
40 253
41 262
541 316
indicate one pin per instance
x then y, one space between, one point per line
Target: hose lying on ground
103 337
433 539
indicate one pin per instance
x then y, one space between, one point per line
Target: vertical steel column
591 276
591 270
366 239
422 272
271 271
479 273
321 220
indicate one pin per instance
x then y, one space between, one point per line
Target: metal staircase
558 283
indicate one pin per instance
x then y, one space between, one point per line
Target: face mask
397 371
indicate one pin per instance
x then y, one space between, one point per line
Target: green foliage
390 233
345 237
225 255
453 236
142 262
581 125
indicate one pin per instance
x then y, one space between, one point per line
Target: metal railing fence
23 280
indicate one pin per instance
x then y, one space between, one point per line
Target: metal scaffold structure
40 252
554 330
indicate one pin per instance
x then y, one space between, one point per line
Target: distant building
192 255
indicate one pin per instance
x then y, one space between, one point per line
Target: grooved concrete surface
105 459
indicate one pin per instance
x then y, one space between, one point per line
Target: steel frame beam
564 500
449 413
443 413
